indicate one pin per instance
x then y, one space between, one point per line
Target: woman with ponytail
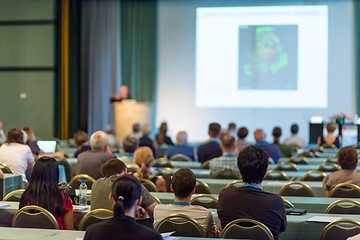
126 197
143 157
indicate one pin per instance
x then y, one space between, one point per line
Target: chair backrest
328 145
225 173
286 166
246 229
288 204
276 175
331 160
180 157
183 226
94 216
296 189
308 154
5 169
205 200
202 188
14 196
67 167
298 160
132 168
345 190
328 167
156 198
76 181
235 183
165 170
340 229
162 163
34 217
206 164
149 185
344 206
313 176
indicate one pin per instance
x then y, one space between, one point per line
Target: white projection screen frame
218 65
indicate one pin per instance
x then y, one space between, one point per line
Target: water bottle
83 193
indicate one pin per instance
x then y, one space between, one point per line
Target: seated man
211 149
90 162
183 185
272 150
227 163
181 146
81 139
130 144
249 201
295 139
101 189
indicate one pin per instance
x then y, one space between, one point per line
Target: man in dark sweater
211 149
249 201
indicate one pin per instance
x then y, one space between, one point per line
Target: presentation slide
262 57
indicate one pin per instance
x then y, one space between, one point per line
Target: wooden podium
128 112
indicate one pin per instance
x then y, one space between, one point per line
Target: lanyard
181 203
250 185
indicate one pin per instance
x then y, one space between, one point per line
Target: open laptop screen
47 146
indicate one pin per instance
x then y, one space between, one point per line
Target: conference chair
162 163
345 190
298 160
313 176
331 160
328 145
67 167
205 200
165 170
308 154
276 175
5 169
206 164
344 206
76 181
286 166
328 167
288 204
14 196
235 183
297 189
202 188
132 168
246 229
183 226
225 173
156 198
34 217
340 229
180 157
94 216
149 185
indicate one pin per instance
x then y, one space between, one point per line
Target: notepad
322 219
4 205
77 208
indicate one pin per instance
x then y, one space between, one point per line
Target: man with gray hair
90 162
130 144
181 146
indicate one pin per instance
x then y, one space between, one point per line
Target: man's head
232 126
99 140
136 127
294 129
113 166
80 137
130 143
253 163
145 130
183 183
124 91
214 130
242 132
347 157
181 138
227 144
260 135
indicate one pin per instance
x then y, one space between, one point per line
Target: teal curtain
357 51
138 48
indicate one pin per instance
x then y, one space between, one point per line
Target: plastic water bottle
83 193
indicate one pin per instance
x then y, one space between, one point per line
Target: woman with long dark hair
43 191
126 197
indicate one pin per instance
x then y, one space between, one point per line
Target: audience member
249 201
211 149
272 150
100 190
232 129
36 151
113 142
181 146
146 141
286 150
330 138
126 197
161 137
136 130
241 143
227 163
81 139
2 134
294 139
15 154
90 162
183 185
130 144
43 191
348 159
143 157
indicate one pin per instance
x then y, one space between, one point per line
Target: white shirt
295 140
16 156
2 136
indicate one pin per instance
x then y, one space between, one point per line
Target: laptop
47 146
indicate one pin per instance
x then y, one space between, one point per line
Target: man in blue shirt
211 149
272 150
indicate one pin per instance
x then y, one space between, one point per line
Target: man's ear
111 198
138 203
125 171
193 191
171 188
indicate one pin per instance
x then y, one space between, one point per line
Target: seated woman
161 137
43 191
330 138
15 154
143 157
348 159
126 197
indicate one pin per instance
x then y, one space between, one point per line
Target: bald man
272 150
